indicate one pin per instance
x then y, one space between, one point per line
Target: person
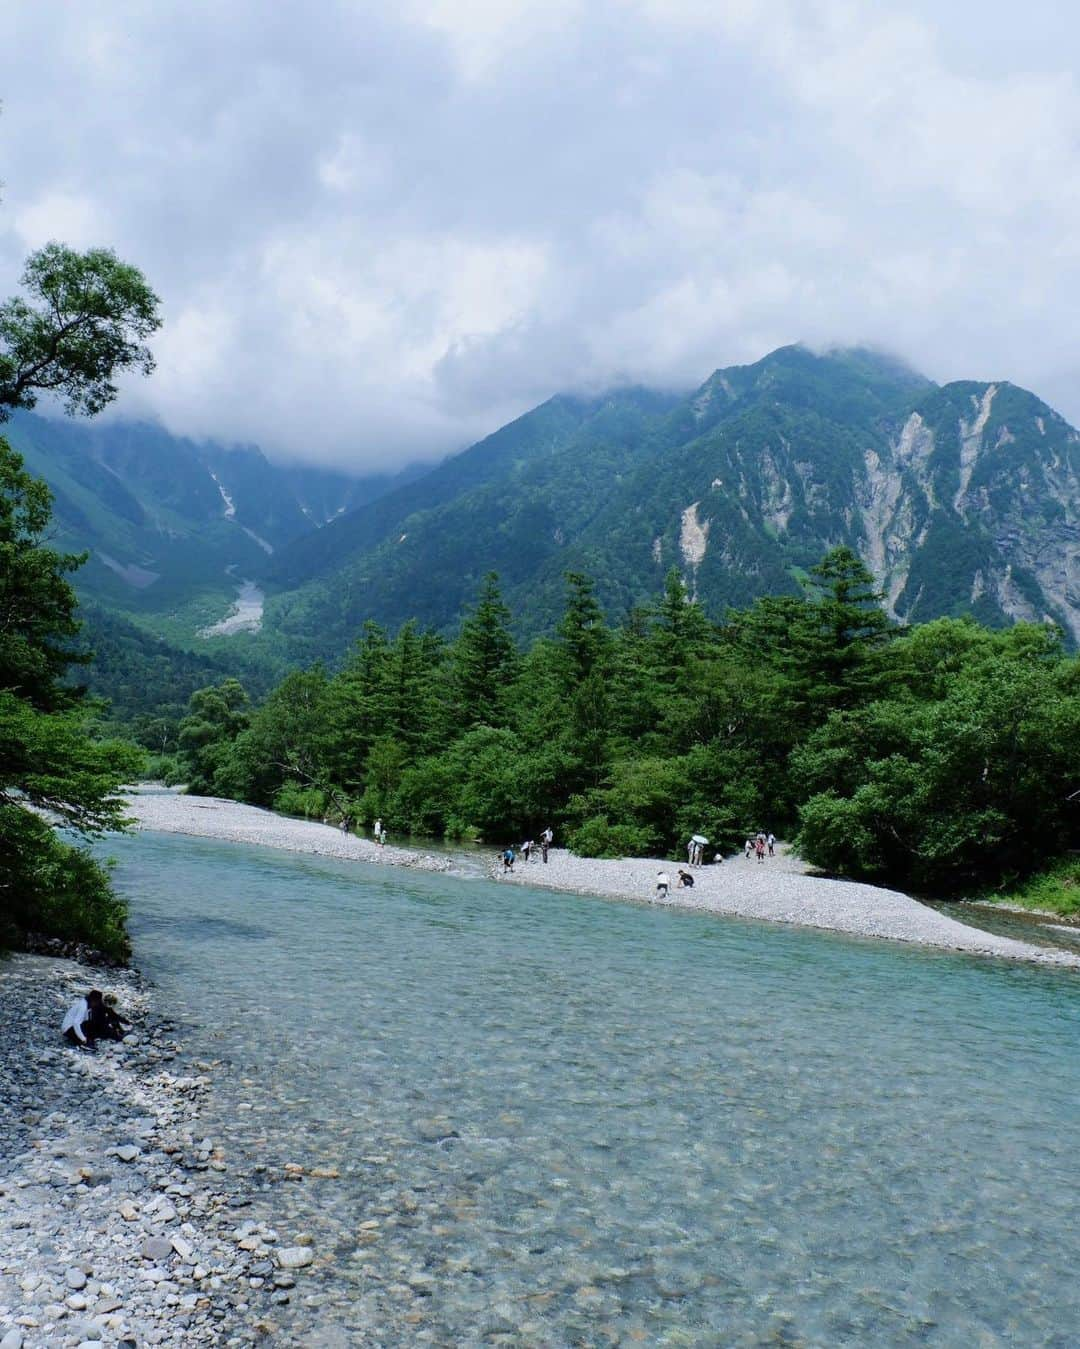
663 884
344 824
526 849
377 831
546 840
382 836
686 880
749 849
759 847
771 841
91 1018
508 860
691 850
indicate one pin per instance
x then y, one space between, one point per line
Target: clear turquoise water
586 1123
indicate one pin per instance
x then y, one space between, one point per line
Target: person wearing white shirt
89 1019
663 883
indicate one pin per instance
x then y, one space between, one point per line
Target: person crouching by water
91 1018
686 879
663 884
508 860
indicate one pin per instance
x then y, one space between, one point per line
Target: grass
1056 890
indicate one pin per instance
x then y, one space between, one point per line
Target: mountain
962 498
173 526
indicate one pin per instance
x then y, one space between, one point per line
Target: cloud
379 232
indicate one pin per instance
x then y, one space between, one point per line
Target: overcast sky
381 231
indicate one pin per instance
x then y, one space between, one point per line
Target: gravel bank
211 817
777 890
120 1223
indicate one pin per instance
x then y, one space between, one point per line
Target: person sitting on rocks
90 1019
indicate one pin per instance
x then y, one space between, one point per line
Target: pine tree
484 660
584 638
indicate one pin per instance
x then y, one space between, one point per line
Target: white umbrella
699 838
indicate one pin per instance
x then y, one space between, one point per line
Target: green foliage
52 769
208 735
936 757
598 837
1056 890
86 320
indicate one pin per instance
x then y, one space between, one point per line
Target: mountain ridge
962 498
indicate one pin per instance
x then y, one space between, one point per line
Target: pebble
295 1257
123 1107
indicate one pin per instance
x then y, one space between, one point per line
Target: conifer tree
484 660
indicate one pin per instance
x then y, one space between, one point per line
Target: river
572 1122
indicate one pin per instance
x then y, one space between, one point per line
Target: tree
484 659
582 632
51 769
37 603
86 320
839 647
216 716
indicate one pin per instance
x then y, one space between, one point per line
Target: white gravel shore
777 890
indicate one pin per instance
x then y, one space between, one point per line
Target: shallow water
586 1123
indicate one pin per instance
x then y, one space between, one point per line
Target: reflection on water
582 1123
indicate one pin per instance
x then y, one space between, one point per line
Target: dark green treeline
939 757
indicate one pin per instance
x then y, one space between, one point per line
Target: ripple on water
592 1123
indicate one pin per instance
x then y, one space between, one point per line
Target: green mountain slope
961 499
173 526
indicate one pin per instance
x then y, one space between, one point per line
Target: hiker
686 880
749 849
546 839
508 860
526 849
663 884
771 842
91 1018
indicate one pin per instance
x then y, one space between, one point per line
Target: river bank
778 890
119 1221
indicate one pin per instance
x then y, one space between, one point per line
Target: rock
156 1248
127 1153
280 1298
183 1249
12 1340
128 1211
75 1278
77 1302
295 1257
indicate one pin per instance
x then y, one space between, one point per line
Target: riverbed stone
156 1248
75 1278
295 1257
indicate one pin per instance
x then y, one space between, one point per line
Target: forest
936 758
